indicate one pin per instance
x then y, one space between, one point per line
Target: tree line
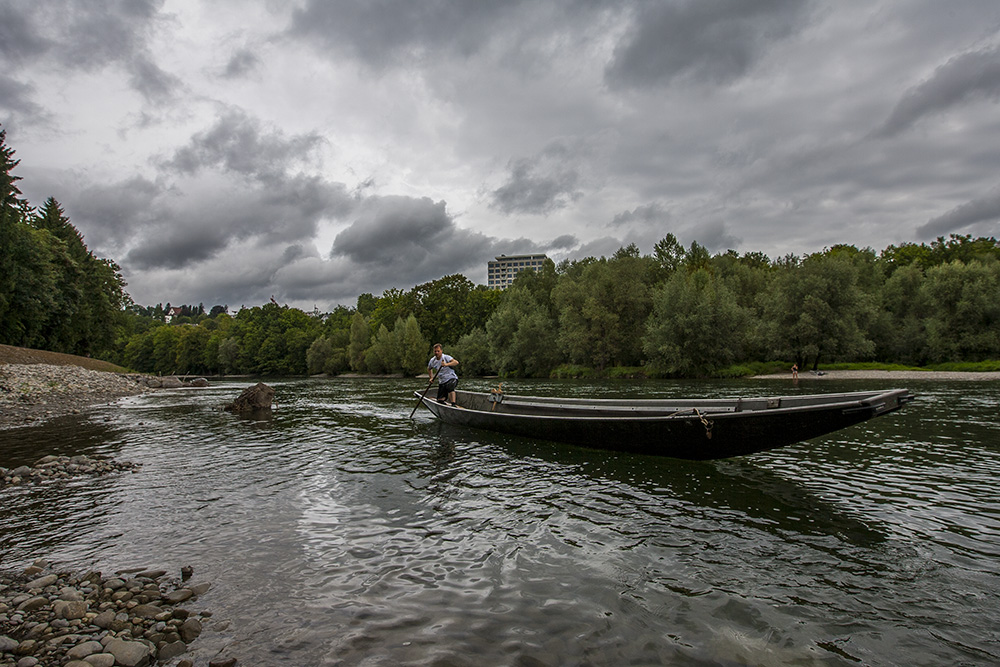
54 293
679 311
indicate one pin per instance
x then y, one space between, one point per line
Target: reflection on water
338 531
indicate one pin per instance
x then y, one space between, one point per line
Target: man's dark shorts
445 388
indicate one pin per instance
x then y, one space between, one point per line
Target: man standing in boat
447 378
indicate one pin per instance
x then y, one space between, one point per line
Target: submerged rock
258 397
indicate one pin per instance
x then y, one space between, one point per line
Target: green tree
964 311
669 253
229 355
473 352
696 326
522 335
817 309
360 336
383 355
442 307
165 341
602 309
318 355
414 351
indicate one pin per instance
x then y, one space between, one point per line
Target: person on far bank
447 378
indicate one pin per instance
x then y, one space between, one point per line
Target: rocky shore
131 618
31 393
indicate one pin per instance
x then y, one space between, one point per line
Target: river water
341 532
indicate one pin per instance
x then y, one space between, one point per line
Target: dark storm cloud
179 247
712 40
385 32
19 39
87 35
96 32
400 241
965 78
986 209
241 144
538 185
113 213
396 230
564 242
16 97
653 213
194 226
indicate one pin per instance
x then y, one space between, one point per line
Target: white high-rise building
501 273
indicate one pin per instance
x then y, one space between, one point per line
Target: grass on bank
571 371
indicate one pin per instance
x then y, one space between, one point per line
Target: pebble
51 618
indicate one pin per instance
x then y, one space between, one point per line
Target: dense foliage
54 293
680 311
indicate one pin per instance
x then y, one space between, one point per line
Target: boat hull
687 429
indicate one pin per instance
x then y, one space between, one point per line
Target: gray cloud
241 144
986 209
970 76
538 185
710 40
243 62
16 97
113 213
715 236
87 35
564 242
389 32
154 84
650 214
191 226
19 39
398 230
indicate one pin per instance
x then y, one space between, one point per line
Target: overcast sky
226 151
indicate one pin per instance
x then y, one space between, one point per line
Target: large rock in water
257 397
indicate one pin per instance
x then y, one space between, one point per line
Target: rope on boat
496 396
707 423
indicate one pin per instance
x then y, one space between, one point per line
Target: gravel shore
30 393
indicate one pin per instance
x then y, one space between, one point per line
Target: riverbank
31 393
943 376
36 385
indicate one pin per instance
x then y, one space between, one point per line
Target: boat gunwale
864 400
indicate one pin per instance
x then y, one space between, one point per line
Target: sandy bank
902 376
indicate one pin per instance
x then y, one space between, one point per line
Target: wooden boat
681 428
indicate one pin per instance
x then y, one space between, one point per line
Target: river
341 532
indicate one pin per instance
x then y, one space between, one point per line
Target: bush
571 371
625 372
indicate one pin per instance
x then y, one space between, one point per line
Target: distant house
171 314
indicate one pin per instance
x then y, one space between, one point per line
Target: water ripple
339 531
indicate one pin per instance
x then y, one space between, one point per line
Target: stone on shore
128 619
128 653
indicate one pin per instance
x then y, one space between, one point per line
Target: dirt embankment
36 385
